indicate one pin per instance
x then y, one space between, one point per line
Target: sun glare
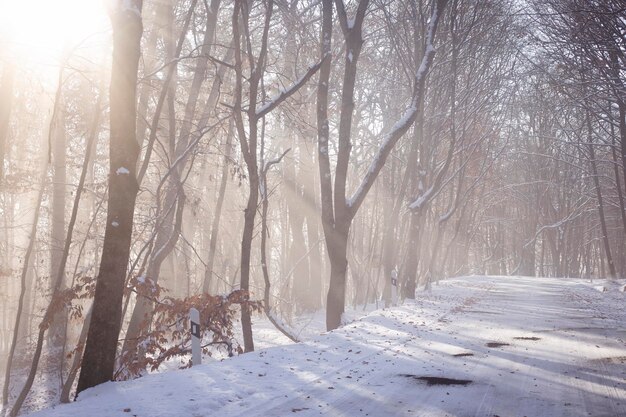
38 31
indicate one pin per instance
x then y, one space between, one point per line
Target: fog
279 158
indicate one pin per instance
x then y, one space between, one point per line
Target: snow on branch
286 93
423 198
281 325
265 169
274 161
557 225
405 122
389 140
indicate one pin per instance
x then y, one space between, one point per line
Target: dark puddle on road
437 380
496 344
534 338
482 312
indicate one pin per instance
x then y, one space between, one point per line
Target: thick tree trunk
146 88
246 250
337 253
388 251
337 234
622 135
620 93
315 262
169 215
101 346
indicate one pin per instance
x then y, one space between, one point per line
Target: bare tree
101 345
6 101
338 210
248 138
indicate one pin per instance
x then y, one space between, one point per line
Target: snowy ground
563 353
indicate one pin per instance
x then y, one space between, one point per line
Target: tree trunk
337 210
101 346
20 306
616 165
246 249
412 258
71 376
335 301
596 182
6 100
248 142
56 333
217 215
267 306
167 232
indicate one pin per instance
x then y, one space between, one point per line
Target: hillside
474 346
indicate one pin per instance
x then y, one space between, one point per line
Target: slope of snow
562 354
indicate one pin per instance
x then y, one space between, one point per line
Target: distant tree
6 101
584 56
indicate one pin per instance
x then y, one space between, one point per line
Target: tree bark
101 346
167 232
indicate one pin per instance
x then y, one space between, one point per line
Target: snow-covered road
511 346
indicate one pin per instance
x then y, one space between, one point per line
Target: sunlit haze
38 31
340 207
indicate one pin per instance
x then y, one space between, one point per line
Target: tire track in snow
325 396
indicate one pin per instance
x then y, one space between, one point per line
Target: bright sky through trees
37 31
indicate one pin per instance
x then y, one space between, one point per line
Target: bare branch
286 93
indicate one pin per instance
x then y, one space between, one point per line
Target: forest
268 160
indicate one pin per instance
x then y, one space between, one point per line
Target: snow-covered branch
422 199
274 161
265 169
405 122
288 92
557 225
